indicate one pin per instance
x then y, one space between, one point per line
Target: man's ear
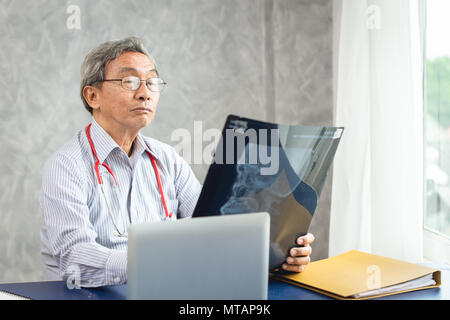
92 96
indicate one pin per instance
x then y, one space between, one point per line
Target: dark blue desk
57 290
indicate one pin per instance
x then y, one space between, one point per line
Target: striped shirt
78 235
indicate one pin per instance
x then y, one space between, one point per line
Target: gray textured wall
276 52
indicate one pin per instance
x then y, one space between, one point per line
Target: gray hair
93 68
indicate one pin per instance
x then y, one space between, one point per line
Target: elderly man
109 175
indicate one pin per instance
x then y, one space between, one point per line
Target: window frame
436 245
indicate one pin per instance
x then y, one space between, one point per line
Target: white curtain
377 196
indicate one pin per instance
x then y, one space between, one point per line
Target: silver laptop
210 258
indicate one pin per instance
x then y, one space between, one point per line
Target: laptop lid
218 257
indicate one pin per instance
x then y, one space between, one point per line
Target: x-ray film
280 169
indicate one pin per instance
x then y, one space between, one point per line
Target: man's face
119 107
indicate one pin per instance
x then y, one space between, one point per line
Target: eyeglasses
133 83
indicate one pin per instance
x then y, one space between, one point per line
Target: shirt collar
102 141
104 144
140 146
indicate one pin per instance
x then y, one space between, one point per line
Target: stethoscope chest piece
170 217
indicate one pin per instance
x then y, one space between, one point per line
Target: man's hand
299 257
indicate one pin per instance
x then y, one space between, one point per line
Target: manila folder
359 275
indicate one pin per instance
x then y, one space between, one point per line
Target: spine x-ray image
279 169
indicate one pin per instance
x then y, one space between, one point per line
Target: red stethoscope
169 216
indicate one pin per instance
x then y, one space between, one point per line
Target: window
437 132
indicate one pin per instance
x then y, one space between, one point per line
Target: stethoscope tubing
168 215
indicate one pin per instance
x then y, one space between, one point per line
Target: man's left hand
299 257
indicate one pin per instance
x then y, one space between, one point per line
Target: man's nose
143 93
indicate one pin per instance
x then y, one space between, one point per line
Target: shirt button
116 280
